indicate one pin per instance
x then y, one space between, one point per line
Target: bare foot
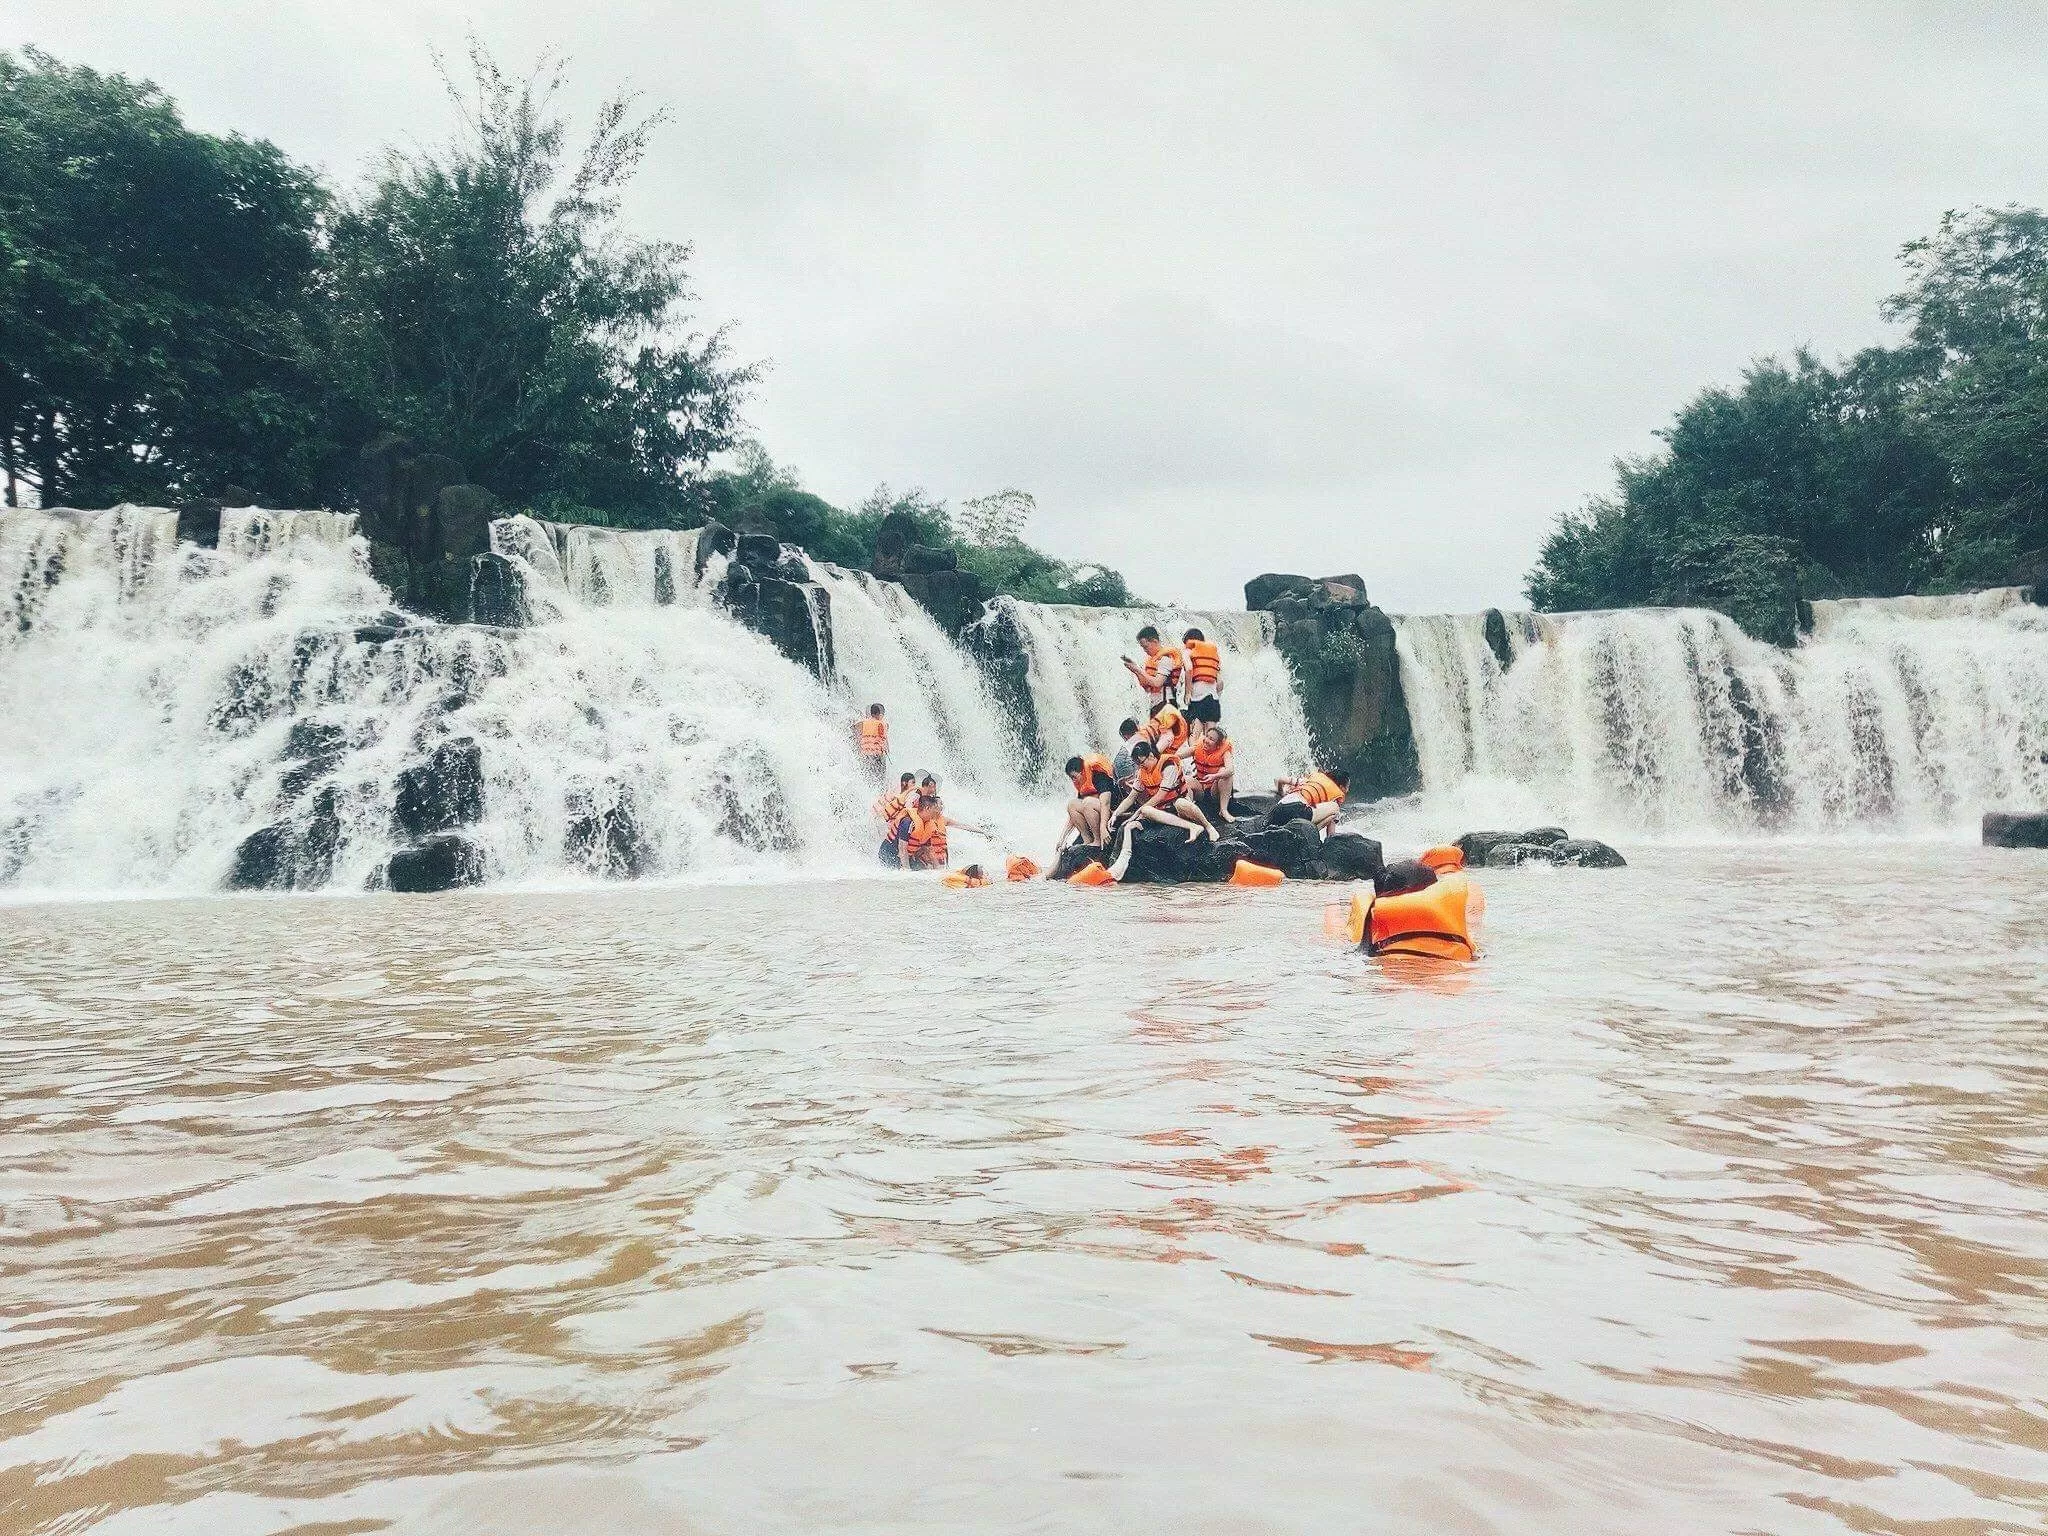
1194 834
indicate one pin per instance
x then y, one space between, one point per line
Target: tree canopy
1915 468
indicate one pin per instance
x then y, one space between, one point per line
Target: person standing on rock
1204 678
894 810
1159 674
871 739
1120 765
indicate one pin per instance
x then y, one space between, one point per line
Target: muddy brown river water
1715 1198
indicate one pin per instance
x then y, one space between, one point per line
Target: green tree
490 308
1977 302
156 330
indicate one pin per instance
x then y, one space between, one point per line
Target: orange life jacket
1207 763
1440 921
960 880
1095 777
1166 730
1320 789
1205 662
928 839
1161 669
1151 774
890 808
1018 867
874 737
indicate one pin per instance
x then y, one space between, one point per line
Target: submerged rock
1585 853
295 854
444 792
2016 829
443 862
1349 856
1476 845
604 835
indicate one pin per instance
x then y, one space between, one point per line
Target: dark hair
930 778
906 781
975 872
1162 704
1128 729
1073 765
1143 750
874 709
1339 777
1194 634
1149 632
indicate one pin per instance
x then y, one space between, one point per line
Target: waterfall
572 566
940 712
1903 714
184 699
1080 689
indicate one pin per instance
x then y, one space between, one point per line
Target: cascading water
1080 689
185 699
1902 714
571 566
940 712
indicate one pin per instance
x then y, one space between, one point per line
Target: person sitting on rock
1157 795
1209 768
1315 799
1120 765
926 847
1204 678
1166 730
1159 673
1088 811
871 740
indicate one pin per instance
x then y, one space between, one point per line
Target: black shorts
1208 711
1289 810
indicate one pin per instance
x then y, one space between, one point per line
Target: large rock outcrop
1340 649
795 614
998 648
425 525
955 598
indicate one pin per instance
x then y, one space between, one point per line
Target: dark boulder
314 749
1343 589
1474 845
955 599
1494 627
895 534
199 523
997 645
2016 829
443 862
444 792
1585 853
1403 876
295 854
604 836
1251 807
791 565
1077 856
796 615
465 514
1164 856
497 592
922 560
714 538
1260 591
759 550
1348 856
1294 848
1512 855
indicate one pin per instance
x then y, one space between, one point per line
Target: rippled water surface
1712 1199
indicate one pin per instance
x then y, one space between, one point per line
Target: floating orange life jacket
961 880
1091 873
1245 872
1020 868
928 840
1205 662
1440 921
874 737
1443 860
1320 789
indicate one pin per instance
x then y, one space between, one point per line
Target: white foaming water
573 566
1897 714
182 699
1081 690
250 531
940 712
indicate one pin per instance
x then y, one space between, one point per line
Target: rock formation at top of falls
1340 649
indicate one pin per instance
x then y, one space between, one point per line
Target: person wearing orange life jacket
1159 673
1167 729
894 810
1204 678
1209 767
871 741
926 848
1157 795
1315 799
1088 812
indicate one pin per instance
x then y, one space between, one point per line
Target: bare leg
1224 785
1095 815
1192 807
1166 818
1324 815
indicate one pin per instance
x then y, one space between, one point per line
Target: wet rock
2016 829
1494 628
315 749
1164 856
714 538
1294 849
922 560
295 854
444 792
604 835
1077 856
955 599
1348 856
1260 591
1512 855
1475 845
1585 853
795 615
998 647
444 862
1403 876
199 523
497 592
1252 807
464 514
759 550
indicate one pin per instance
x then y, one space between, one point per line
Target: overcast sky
1373 288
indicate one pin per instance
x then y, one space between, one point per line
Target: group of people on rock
1176 768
